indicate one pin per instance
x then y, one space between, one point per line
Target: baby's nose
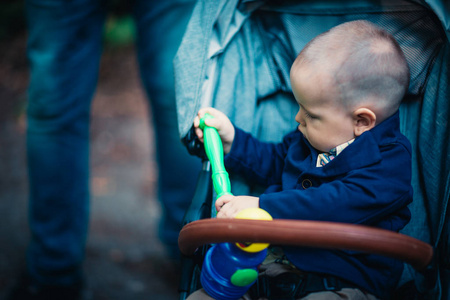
299 119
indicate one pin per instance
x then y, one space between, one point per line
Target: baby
346 162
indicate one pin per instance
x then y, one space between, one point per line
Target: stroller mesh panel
285 34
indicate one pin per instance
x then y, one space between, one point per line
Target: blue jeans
64 49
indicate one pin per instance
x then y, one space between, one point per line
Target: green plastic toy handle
214 151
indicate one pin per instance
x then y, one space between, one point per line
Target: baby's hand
221 122
228 206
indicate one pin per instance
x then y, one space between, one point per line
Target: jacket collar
364 151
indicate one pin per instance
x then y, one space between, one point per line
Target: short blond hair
365 62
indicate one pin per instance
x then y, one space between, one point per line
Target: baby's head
346 81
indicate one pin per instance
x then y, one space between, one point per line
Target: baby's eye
309 116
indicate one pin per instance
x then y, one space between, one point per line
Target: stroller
236 56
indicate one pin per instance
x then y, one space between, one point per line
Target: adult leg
160 27
64 49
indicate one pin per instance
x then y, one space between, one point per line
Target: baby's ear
364 119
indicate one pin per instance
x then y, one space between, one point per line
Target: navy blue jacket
368 183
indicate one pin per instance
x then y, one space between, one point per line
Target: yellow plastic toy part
253 214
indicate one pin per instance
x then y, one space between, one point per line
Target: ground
124 257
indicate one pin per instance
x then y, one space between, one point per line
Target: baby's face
323 122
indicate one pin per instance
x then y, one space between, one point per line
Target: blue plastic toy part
228 272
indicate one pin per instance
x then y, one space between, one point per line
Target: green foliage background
12 18
119 26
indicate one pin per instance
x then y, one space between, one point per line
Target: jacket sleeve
259 162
